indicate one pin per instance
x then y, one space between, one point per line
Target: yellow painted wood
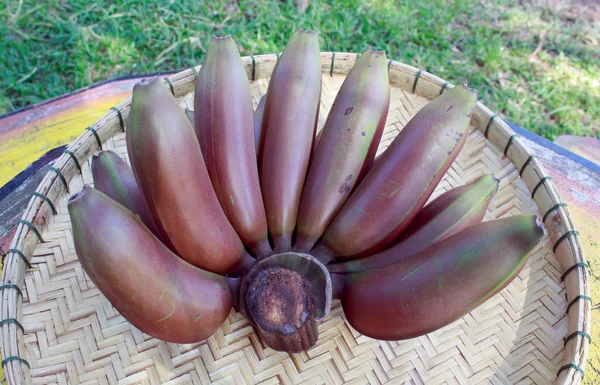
19 150
588 225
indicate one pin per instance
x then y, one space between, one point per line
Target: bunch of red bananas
228 208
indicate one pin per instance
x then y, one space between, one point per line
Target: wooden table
30 139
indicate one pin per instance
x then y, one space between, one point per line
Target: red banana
347 146
442 283
154 289
223 121
445 216
401 181
115 178
170 171
289 123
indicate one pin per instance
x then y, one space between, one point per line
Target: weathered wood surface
15 194
579 187
589 148
43 129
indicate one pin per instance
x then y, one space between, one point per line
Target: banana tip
496 185
305 31
369 52
145 83
473 90
218 38
540 225
73 198
377 53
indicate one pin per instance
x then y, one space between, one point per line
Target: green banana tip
221 38
220 45
376 53
146 82
147 89
472 90
141 87
531 223
222 42
149 84
304 31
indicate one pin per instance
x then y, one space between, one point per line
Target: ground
535 62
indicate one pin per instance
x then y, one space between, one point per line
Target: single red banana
347 146
289 123
158 292
223 121
437 286
115 178
402 179
170 171
448 214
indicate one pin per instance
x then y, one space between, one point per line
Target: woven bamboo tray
56 327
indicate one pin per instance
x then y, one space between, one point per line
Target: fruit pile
225 207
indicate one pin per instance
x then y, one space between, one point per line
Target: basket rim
55 183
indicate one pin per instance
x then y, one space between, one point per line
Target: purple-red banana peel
437 286
114 177
402 180
169 168
448 214
223 121
158 292
288 124
346 148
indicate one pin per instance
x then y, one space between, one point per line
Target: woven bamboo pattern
73 335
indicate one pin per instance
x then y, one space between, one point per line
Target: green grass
56 46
